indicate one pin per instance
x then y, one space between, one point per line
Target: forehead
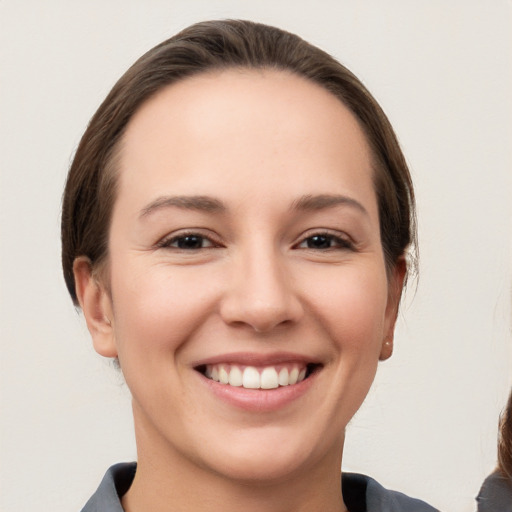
250 127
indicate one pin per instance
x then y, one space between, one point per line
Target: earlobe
396 283
96 305
386 350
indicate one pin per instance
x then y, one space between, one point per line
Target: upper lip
255 359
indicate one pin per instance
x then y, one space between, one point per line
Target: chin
263 471
268 459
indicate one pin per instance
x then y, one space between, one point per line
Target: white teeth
251 377
283 377
269 379
223 375
235 377
294 374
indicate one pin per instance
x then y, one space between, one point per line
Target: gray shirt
495 494
360 493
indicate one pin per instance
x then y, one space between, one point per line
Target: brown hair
215 45
505 441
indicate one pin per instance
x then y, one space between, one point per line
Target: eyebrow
212 205
198 203
323 201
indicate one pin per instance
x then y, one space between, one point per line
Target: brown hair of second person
505 441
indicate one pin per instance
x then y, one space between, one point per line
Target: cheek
350 312
156 310
352 308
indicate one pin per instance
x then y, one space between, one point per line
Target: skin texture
259 145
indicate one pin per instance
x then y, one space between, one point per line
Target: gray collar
360 493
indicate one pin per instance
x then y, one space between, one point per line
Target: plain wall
441 70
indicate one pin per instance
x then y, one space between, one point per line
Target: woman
496 492
235 225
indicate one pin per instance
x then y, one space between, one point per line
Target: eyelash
340 243
167 243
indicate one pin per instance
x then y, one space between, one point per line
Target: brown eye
190 242
319 242
324 241
187 242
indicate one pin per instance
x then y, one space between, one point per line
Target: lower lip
260 400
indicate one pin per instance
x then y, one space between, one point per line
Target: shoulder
495 494
115 483
364 494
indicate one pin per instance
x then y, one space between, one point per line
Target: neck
167 481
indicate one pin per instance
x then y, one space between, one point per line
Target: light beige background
442 71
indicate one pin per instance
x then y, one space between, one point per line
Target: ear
395 286
96 305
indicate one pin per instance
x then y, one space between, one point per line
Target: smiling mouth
253 377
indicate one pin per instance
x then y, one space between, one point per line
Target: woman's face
245 254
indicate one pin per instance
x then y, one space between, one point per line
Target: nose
260 293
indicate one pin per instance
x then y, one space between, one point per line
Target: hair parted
90 190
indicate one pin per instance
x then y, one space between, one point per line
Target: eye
325 241
187 242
